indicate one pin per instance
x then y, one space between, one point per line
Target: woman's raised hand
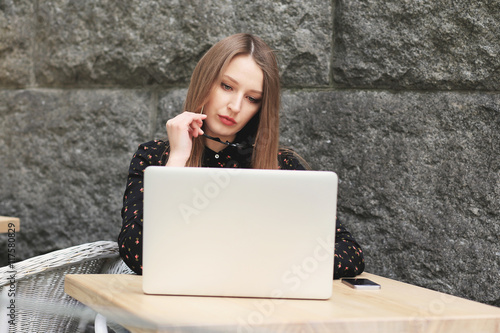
181 130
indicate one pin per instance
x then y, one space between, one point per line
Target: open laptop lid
239 232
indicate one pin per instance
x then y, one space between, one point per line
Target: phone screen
361 283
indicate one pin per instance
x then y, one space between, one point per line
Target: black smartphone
361 284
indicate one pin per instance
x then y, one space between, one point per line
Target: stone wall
401 98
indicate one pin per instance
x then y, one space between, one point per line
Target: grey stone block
16 43
137 43
169 105
401 44
419 180
65 156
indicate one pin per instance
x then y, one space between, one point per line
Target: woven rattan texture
42 304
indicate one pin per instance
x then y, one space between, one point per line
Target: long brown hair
265 127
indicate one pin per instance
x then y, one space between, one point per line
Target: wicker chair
41 305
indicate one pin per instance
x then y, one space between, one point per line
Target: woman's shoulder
154 151
154 145
288 159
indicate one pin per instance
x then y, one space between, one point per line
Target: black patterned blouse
348 254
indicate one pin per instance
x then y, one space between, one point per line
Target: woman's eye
253 100
225 86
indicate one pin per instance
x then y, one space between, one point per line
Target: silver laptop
239 232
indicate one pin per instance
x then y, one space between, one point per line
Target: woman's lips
228 121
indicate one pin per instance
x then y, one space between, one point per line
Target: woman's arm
349 259
130 237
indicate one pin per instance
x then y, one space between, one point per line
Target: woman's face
235 99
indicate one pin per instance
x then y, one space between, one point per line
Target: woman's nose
236 102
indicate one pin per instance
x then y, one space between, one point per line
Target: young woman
231 120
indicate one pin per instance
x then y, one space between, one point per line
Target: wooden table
397 307
6 224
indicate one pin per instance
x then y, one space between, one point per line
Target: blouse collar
229 157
